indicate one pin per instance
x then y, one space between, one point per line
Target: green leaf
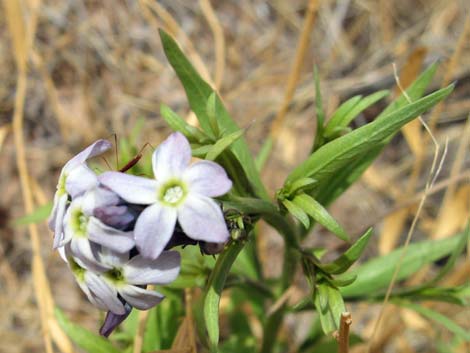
90 342
452 326
358 108
297 212
350 256
222 144
212 112
198 92
375 275
214 289
300 185
320 214
39 214
340 113
264 153
329 305
151 334
333 156
320 112
177 123
330 188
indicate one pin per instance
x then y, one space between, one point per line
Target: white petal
109 237
133 189
172 157
153 230
113 259
88 254
163 270
202 219
98 197
58 222
104 292
95 149
207 178
79 180
140 298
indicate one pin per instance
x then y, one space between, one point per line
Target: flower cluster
114 229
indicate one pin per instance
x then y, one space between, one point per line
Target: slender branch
343 335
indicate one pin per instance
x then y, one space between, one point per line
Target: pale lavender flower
125 278
181 192
75 178
85 233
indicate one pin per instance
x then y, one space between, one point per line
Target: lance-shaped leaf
315 210
222 144
198 92
39 214
376 274
90 342
177 123
333 156
449 324
343 120
350 256
329 305
330 188
297 212
214 289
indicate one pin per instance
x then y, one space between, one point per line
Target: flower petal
104 293
57 221
207 178
201 218
111 238
153 230
95 149
140 298
133 189
99 197
163 270
113 259
112 320
172 157
88 254
119 217
79 180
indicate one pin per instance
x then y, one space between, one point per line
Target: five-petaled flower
180 192
75 179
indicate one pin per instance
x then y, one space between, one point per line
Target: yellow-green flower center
77 270
61 184
115 275
79 222
172 193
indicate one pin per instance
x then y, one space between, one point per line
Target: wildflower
75 178
123 280
181 192
85 232
113 320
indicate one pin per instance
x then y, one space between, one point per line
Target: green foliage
374 275
213 292
40 214
90 342
198 92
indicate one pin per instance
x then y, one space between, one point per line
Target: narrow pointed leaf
214 289
297 212
320 214
333 156
340 113
375 275
345 261
177 123
329 305
198 92
88 341
222 144
39 214
358 108
439 318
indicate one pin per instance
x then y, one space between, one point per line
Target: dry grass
75 71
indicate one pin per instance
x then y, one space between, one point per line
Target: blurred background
85 70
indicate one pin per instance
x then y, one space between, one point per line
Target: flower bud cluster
114 229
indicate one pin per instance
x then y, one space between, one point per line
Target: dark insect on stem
134 160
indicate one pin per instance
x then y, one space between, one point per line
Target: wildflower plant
184 225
